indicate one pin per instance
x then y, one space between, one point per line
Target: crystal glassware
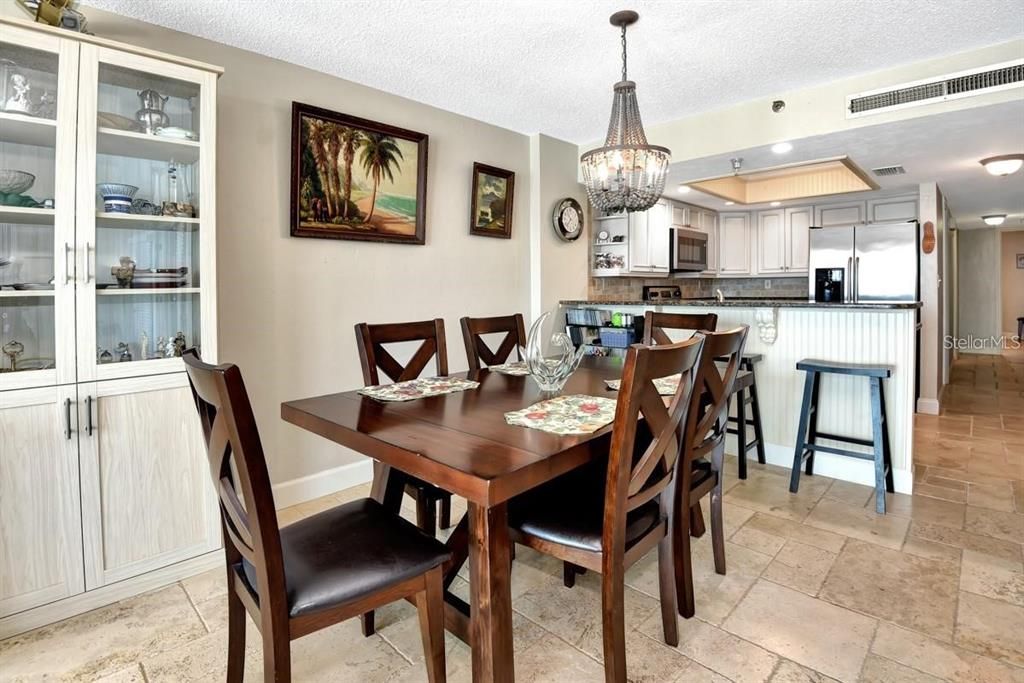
551 372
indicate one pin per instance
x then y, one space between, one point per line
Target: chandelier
626 173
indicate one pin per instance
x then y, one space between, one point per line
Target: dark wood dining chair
433 504
700 467
608 515
313 573
655 324
478 353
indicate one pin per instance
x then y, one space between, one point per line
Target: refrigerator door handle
848 285
856 279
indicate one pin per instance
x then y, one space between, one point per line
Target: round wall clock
568 220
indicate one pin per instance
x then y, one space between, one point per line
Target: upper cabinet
892 209
107 212
798 240
849 213
734 241
783 240
649 239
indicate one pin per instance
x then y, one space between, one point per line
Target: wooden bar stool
808 435
745 391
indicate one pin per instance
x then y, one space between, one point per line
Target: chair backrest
477 350
706 422
370 340
239 472
639 470
655 324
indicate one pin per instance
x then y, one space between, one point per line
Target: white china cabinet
103 478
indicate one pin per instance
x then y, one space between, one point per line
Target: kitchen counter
747 303
785 331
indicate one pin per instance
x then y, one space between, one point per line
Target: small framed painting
1020 261
493 190
356 179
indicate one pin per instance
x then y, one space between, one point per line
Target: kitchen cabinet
734 239
680 215
707 221
783 240
848 213
649 240
40 522
892 209
798 246
106 478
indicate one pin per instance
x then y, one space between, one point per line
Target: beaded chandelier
626 174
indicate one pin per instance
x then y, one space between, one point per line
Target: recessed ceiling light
729 203
1004 164
776 203
684 189
994 219
782 147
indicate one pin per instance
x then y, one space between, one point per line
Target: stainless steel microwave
689 250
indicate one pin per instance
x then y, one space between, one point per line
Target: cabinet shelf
24 214
21 129
126 143
142 291
140 221
24 293
611 244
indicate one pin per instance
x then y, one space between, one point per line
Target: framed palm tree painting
491 211
356 179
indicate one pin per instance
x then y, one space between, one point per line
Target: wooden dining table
461 443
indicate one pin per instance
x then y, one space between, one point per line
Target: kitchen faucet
721 297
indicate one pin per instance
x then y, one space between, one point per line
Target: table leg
491 594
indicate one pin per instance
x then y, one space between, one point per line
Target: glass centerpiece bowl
551 364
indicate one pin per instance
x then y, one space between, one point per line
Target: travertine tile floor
819 588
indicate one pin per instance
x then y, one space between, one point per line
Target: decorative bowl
117 197
15 182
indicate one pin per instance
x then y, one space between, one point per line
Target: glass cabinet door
145 224
37 162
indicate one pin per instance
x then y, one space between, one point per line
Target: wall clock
568 220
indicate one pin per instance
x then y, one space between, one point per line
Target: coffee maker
829 285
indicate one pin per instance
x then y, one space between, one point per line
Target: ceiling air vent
889 170
939 89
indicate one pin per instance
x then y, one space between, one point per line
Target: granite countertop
745 303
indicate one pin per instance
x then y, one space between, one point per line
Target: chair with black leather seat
700 466
318 571
608 515
656 322
478 353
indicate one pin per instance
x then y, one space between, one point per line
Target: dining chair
433 504
315 572
655 324
608 515
478 353
700 466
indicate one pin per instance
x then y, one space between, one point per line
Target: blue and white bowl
117 197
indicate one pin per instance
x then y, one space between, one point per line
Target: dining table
461 442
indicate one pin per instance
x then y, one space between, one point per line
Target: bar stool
807 433
745 391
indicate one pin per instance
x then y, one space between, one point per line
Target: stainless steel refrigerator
876 262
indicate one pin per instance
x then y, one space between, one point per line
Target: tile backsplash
631 288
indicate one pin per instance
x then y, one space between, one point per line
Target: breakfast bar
785 331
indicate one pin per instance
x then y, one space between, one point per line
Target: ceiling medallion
626 174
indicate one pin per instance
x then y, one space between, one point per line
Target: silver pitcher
152 115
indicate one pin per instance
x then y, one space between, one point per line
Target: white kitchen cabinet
734 243
680 215
639 252
771 242
649 240
707 222
798 245
892 209
40 517
147 501
848 213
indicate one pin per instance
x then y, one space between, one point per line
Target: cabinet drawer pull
67 419
88 416
67 268
88 270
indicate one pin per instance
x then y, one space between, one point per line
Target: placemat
515 368
418 388
666 386
574 414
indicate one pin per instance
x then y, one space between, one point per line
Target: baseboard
65 608
295 491
928 406
840 467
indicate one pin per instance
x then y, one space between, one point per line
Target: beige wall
287 305
1013 280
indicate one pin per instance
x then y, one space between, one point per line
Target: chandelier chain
624 52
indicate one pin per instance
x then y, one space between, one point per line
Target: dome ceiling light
994 219
1003 165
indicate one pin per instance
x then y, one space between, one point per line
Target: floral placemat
515 368
418 388
575 414
666 386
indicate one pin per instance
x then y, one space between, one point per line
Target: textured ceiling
944 148
548 66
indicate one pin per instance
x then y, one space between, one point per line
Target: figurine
19 102
124 273
126 355
12 350
47 106
105 356
161 347
179 344
143 346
